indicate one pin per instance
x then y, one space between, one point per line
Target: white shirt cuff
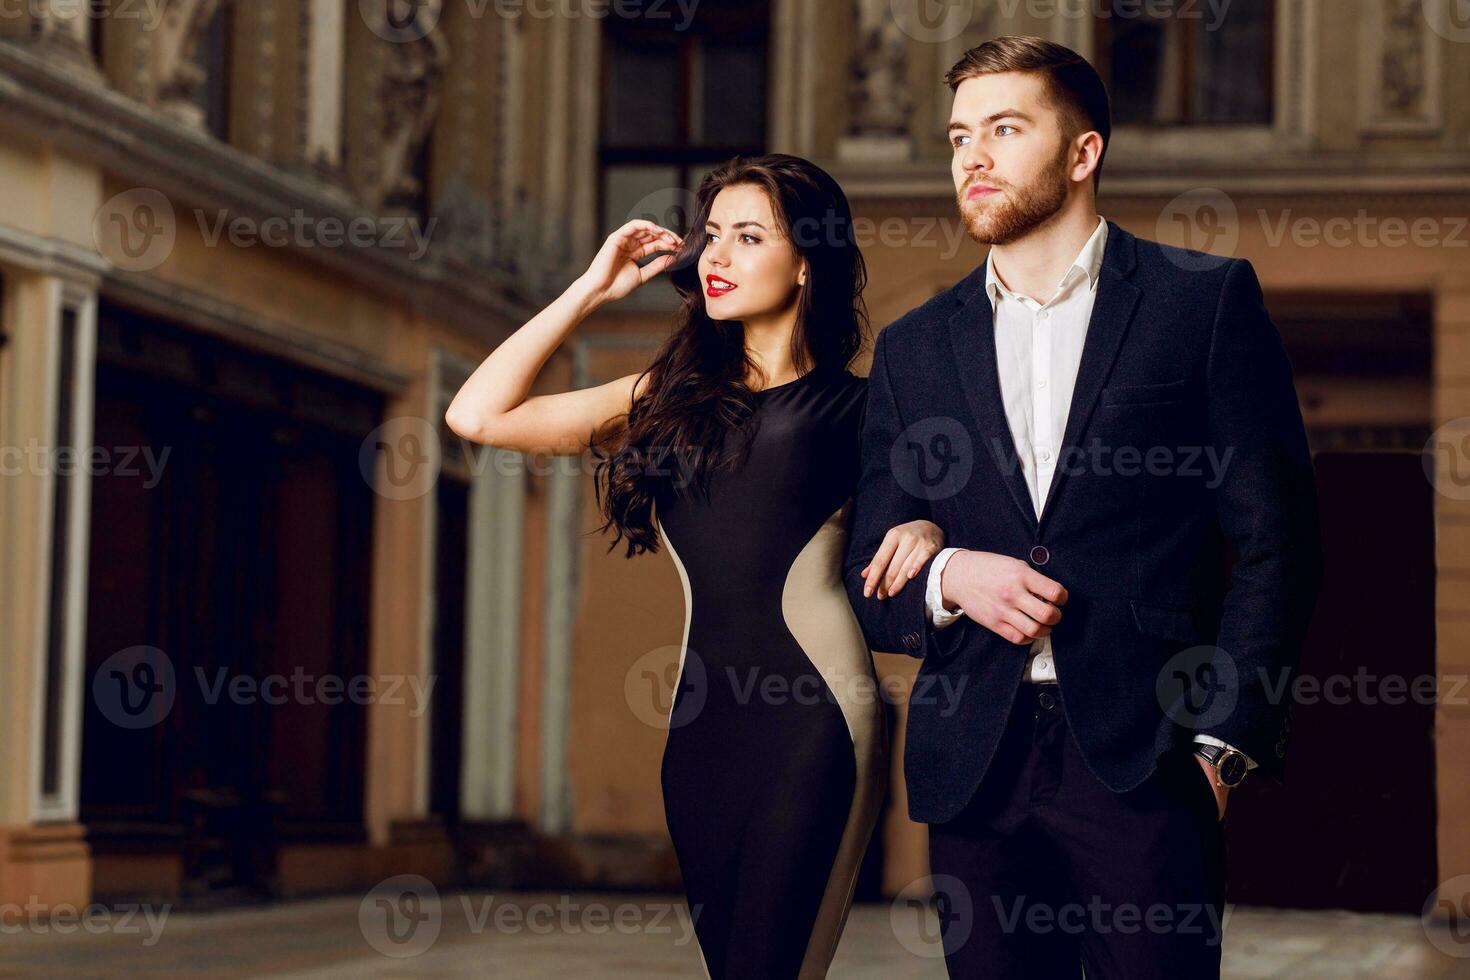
933 594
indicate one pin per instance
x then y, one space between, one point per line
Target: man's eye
999 128
957 139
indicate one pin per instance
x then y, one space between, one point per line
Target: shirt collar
1088 262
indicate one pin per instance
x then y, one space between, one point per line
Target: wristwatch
1230 766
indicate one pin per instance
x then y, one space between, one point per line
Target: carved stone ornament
409 90
1400 70
1403 89
178 76
879 97
59 31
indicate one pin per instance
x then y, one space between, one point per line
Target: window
1176 62
60 691
100 12
677 102
215 59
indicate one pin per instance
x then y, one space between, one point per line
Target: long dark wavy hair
696 394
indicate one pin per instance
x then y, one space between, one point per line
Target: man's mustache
965 191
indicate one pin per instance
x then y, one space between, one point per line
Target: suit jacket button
1039 555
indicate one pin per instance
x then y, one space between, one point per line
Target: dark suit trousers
1047 871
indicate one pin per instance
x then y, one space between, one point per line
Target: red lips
716 286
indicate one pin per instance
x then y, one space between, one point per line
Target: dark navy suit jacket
1184 450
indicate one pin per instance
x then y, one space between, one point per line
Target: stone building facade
183 179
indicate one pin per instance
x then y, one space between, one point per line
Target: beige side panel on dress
814 604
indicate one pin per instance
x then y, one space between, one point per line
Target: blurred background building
268 629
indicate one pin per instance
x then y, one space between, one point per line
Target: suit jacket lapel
1112 311
972 340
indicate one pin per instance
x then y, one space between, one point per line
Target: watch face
1232 769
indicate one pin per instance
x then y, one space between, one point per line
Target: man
1093 419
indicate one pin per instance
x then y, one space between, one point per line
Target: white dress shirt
1038 349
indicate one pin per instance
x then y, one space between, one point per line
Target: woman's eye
711 236
751 238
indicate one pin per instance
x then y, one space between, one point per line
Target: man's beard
1015 211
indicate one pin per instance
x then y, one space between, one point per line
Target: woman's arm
492 407
905 549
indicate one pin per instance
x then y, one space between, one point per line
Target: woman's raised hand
614 272
903 552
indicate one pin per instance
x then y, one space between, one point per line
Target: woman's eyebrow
739 224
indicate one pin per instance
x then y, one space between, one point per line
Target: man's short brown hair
1074 84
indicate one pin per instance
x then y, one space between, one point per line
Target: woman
776 757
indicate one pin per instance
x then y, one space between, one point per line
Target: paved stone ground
525 936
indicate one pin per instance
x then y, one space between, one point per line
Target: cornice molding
135 143
1347 177
183 304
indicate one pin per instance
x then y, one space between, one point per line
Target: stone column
879 99
1450 450
44 860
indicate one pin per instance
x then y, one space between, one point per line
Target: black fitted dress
775 763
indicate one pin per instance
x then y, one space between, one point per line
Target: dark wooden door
1353 825
242 554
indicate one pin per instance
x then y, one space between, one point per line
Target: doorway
1354 824
233 560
